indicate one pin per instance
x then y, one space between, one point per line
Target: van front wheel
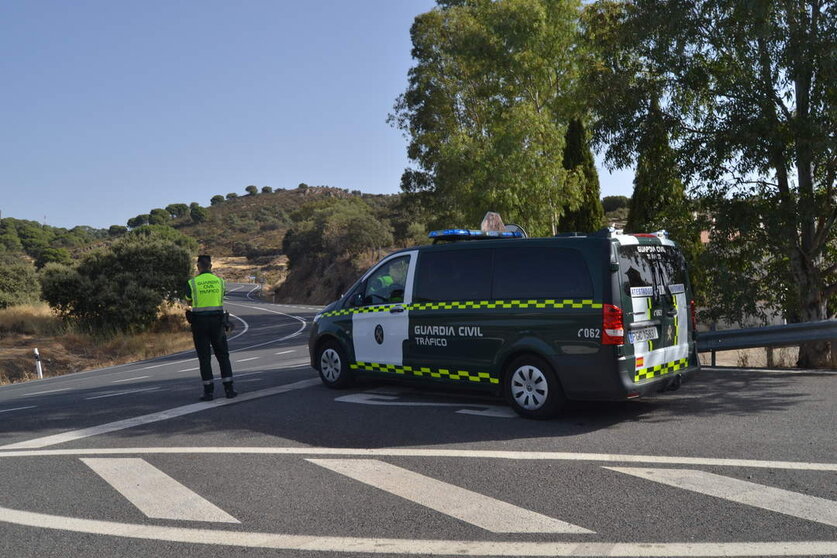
333 367
532 389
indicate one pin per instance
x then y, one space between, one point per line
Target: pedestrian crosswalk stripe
778 500
154 493
474 508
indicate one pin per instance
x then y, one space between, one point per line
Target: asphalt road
125 461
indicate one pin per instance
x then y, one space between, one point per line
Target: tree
117 230
199 214
138 221
217 199
658 190
151 271
177 210
486 108
159 217
612 203
52 255
232 196
578 159
267 190
747 92
18 282
251 190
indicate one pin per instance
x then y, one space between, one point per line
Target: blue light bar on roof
466 234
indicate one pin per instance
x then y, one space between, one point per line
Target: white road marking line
421 452
17 409
190 369
155 417
43 392
129 379
359 545
250 380
118 393
474 508
366 398
156 494
285 352
778 500
248 359
240 333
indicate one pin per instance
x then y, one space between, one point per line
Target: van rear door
655 292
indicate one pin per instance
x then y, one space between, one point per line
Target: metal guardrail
769 336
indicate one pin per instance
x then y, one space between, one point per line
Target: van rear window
530 272
641 263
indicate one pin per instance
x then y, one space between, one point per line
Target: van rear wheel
532 389
333 366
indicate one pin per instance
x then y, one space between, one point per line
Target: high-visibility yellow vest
207 293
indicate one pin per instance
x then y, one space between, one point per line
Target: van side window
386 284
540 273
447 275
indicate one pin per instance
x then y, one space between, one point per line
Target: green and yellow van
600 316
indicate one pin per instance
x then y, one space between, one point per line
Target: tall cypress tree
659 198
589 216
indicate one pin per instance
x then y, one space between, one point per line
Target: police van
600 316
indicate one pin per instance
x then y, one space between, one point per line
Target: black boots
207 392
229 391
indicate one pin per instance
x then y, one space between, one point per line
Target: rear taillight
613 326
693 315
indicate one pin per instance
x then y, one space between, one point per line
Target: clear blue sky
110 109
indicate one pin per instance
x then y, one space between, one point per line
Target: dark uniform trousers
208 333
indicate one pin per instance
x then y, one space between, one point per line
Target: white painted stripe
190 369
156 494
795 504
420 452
358 545
17 409
474 508
248 359
118 393
129 379
155 417
286 352
43 392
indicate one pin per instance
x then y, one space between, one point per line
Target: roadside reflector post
38 368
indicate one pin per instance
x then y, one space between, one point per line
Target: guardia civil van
600 316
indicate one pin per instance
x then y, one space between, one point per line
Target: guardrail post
38 367
712 328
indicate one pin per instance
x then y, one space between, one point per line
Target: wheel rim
529 387
330 365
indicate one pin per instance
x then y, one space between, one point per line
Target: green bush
120 288
18 282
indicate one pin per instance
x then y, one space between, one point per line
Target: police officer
206 295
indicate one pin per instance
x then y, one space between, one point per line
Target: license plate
644 334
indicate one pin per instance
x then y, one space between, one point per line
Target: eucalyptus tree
747 92
486 109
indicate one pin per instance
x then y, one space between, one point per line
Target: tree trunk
813 308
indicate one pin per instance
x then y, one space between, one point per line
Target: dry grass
63 351
30 319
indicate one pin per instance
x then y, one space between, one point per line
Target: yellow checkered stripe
660 369
439 373
361 310
476 305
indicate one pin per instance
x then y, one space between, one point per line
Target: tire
532 388
333 365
